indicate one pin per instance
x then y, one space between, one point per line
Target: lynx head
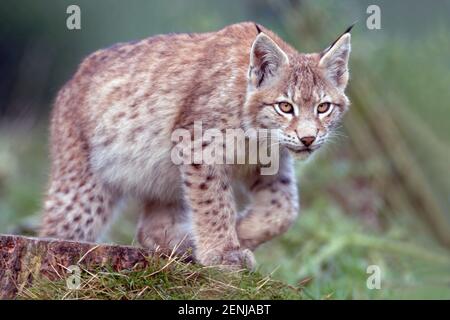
300 95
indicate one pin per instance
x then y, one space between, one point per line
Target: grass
329 253
167 280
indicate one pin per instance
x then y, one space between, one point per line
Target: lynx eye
323 107
286 107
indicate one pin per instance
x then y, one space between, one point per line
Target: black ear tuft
334 42
350 27
258 28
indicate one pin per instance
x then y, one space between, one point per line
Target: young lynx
111 138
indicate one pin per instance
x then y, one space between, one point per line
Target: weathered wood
22 259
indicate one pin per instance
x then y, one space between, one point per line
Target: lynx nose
307 141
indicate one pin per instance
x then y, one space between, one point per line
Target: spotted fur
112 122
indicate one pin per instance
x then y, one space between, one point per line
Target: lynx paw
232 259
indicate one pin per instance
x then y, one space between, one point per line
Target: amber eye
286 107
323 107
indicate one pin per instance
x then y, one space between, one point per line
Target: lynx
111 131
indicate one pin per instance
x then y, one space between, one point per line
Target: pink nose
307 141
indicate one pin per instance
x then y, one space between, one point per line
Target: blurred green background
379 195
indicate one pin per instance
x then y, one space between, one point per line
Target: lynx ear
266 60
334 60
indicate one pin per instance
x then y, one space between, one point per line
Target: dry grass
165 279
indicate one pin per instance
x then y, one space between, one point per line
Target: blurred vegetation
379 194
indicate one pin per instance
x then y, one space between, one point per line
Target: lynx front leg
274 207
213 217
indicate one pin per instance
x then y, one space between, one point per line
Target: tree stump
22 259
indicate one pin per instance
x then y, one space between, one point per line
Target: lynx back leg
78 206
78 209
164 226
